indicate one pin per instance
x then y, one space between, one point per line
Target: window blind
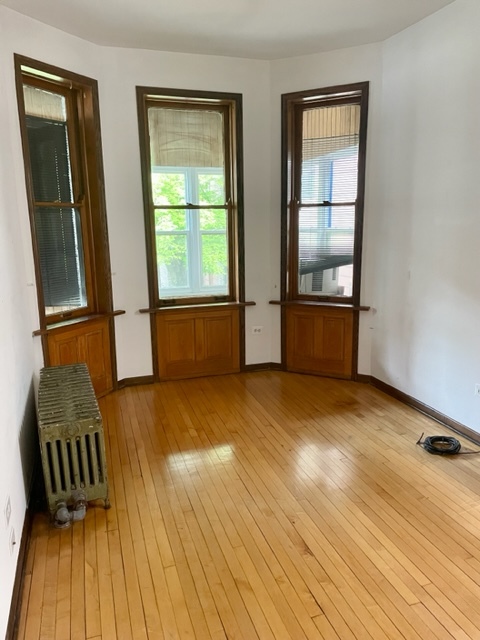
60 252
58 229
328 189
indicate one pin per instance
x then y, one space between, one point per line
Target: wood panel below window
197 342
319 340
84 342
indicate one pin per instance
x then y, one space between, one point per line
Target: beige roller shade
185 138
44 104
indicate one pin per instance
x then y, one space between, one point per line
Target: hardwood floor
264 505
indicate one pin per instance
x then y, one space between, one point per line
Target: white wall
345 66
427 293
16 345
125 69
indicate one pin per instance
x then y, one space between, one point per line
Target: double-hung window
324 160
60 130
190 159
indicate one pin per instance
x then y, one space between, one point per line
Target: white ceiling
263 29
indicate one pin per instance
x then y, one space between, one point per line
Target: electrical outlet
477 389
13 540
8 512
257 330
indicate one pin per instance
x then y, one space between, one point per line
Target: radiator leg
107 503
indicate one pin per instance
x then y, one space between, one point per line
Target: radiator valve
64 516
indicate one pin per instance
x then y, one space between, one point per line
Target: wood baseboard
263 366
363 378
455 426
13 618
137 380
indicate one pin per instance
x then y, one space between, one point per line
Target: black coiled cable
442 445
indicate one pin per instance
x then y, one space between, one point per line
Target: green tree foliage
173 225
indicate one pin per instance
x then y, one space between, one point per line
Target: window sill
211 306
317 303
72 321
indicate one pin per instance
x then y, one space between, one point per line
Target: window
190 148
324 170
59 123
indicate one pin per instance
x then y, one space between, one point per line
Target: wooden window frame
231 106
293 105
87 167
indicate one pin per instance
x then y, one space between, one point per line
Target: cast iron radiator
71 437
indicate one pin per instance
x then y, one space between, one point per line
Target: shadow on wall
30 452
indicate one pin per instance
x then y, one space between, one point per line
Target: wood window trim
334 95
96 250
315 303
80 202
58 326
232 103
192 307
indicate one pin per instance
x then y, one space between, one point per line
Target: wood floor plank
49 609
77 588
122 614
263 506
64 603
91 597
105 583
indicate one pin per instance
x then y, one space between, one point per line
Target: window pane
168 188
329 282
170 220
325 246
215 262
60 251
330 154
211 188
172 262
49 159
213 219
